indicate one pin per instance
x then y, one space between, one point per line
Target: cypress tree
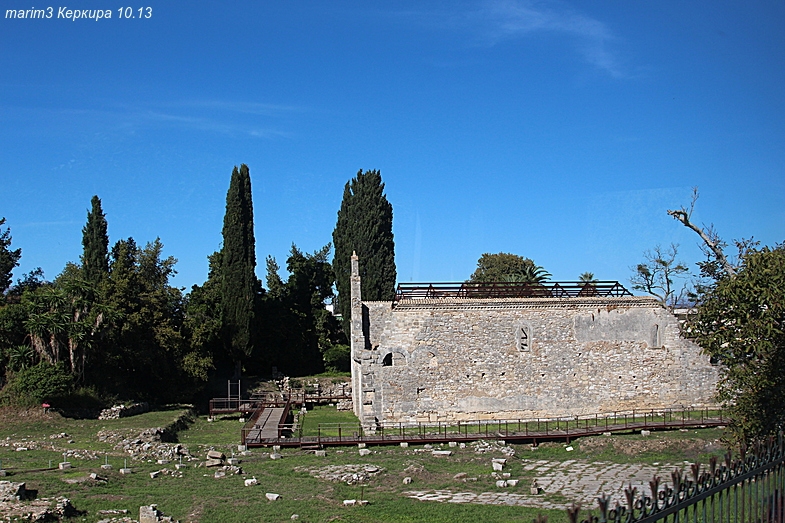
8 259
238 264
95 256
364 226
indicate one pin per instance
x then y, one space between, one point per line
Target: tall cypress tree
8 259
95 257
364 226
238 264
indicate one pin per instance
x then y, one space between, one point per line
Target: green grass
198 495
329 418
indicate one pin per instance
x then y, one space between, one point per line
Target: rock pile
43 509
10 491
483 446
349 474
147 445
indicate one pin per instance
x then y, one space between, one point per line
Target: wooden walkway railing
508 430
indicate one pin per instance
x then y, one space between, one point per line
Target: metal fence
485 290
744 490
533 430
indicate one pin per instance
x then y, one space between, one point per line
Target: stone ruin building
460 352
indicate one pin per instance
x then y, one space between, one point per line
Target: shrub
42 382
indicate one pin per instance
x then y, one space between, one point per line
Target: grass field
194 494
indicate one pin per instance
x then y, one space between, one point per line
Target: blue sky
561 131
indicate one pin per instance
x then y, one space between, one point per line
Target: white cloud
511 19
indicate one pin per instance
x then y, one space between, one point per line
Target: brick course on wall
463 359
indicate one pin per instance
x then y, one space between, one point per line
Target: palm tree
588 288
531 274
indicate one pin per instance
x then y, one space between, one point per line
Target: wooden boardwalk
513 431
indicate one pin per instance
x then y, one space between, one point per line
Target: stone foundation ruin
454 358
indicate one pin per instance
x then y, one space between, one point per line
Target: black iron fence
749 489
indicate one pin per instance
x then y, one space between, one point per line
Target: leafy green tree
506 267
308 337
656 275
8 259
203 323
239 285
142 355
95 243
364 226
741 325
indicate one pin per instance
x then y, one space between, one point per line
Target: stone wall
521 358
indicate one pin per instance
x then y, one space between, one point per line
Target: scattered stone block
535 488
460 475
441 453
407 480
364 452
272 497
569 449
497 467
214 454
106 466
645 433
607 434
502 442
275 455
3 473
362 502
349 502
126 470
220 474
21 449
503 461
233 461
213 463
149 514
163 461
462 445
180 466
512 482
404 445
295 517
241 448
361 445
64 465
276 448
155 474
251 482
453 443
505 475
501 483
242 420
321 453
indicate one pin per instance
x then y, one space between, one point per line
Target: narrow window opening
523 338
387 361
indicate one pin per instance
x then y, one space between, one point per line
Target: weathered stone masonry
449 359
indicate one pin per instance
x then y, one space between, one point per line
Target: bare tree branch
709 236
